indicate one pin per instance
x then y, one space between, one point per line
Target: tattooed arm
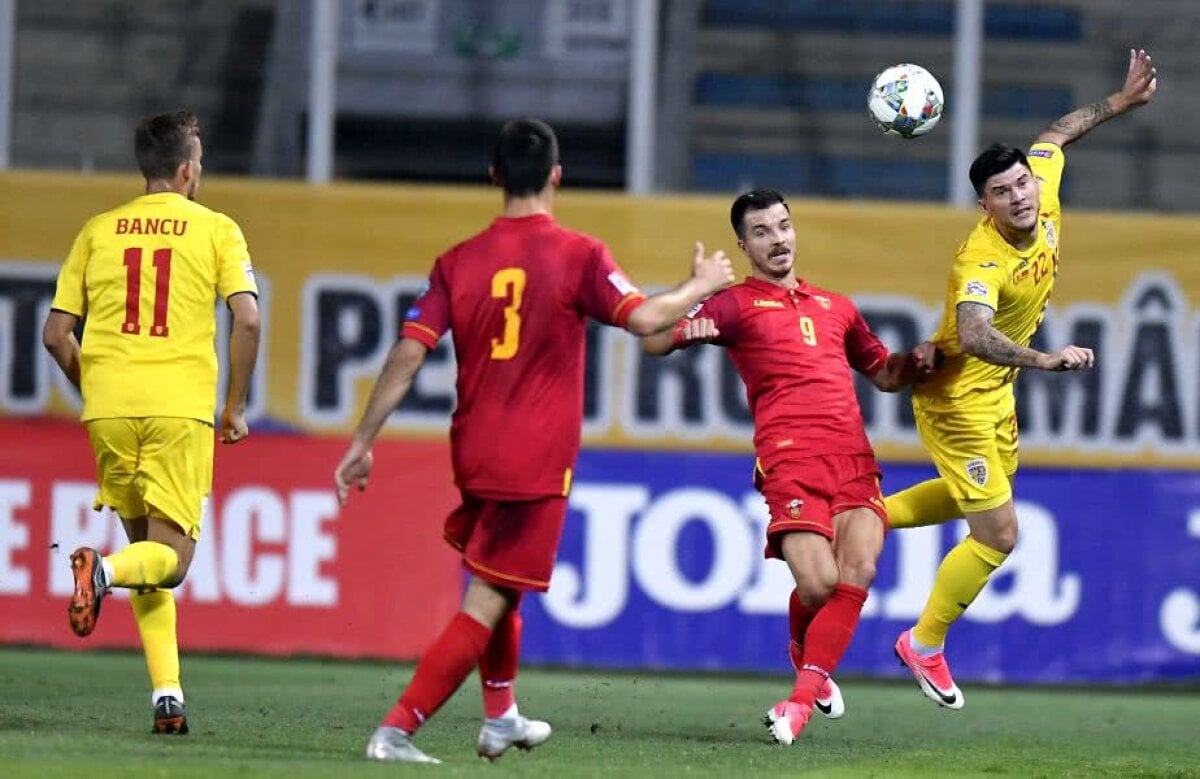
978 338
1140 84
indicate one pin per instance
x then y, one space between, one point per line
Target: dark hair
755 200
162 143
996 158
526 151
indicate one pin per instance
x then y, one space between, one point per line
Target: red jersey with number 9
794 350
516 298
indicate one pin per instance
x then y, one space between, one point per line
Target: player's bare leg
810 558
961 577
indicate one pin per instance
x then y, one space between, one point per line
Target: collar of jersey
516 221
774 290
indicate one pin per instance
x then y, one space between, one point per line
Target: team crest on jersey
977 289
759 303
794 507
1051 234
824 301
978 471
623 285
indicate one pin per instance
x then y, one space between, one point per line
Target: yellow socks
927 503
960 578
142 564
155 615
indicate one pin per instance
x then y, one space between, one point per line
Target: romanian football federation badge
978 471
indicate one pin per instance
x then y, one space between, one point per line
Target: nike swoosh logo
947 699
824 708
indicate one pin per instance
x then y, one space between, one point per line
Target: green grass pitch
88 715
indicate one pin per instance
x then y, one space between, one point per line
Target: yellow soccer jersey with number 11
1014 283
146 276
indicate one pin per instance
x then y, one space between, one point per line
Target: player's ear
495 177
556 176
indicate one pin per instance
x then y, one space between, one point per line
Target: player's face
192 169
1011 199
770 241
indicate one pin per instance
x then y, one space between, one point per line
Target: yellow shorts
156 466
973 443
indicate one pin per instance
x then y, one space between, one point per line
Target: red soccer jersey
794 350
515 298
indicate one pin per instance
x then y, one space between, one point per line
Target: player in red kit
516 298
794 346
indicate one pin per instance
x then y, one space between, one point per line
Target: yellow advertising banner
340 264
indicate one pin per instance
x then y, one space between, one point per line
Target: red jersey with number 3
794 350
516 298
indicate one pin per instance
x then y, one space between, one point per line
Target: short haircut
162 143
996 158
526 152
755 200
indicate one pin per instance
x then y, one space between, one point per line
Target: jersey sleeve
70 295
234 272
722 308
1046 161
864 351
977 278
606 293
428 318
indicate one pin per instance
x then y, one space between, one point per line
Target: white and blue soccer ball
905 100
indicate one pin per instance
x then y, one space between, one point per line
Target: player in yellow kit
966 413
145 278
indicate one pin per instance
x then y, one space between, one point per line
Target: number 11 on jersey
508 284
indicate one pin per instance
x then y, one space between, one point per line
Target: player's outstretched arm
243 354
701 330
977 337
58 336
1141 82
902 369
710 273
403 362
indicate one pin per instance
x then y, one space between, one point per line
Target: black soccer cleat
170 716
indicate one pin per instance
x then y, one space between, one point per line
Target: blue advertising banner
661 566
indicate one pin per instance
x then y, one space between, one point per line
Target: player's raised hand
714 272
700 330
1141 81
354 469
1072 358
233 426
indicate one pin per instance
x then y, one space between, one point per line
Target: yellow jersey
145 276
1015 283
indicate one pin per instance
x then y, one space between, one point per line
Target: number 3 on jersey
508 284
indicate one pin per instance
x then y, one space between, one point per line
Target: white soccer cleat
829 700
500 733
395 746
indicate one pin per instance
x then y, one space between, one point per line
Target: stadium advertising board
340 265
660 566
278 568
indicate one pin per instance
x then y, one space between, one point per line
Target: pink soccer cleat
785 720
931 673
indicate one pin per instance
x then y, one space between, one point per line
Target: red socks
443 667
826 640
498 665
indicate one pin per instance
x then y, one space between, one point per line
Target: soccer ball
905 100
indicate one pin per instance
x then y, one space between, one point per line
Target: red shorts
806 494
508 543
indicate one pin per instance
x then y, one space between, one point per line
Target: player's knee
815 588
858 571
1004 539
